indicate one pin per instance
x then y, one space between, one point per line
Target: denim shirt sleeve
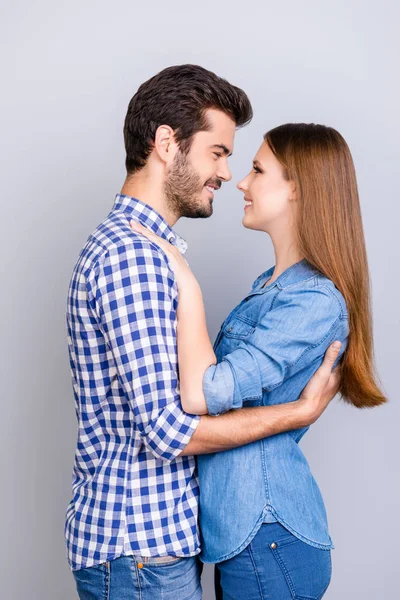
297 330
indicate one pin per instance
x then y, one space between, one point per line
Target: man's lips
212 187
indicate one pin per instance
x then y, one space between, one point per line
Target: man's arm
240 427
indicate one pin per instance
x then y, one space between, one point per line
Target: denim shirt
267 350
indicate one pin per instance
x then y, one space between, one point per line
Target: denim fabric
268 348
140 579
276 565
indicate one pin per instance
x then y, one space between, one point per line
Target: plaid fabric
132 493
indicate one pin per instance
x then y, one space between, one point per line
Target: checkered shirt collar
150 218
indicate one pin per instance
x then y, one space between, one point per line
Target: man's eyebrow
224 149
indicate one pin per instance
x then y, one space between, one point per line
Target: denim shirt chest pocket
235 329
238 328
241 322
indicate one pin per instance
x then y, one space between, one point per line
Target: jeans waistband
158 559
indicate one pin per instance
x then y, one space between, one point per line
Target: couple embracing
189 450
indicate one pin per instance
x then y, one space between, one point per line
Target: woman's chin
253 225
246 222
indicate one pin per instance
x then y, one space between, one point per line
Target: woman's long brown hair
331 238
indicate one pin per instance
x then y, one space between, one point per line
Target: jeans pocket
178 580
307 569
93 583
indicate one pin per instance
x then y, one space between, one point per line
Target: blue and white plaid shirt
132 492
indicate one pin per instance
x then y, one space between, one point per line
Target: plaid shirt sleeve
134 298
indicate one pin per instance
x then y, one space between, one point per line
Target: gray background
69 71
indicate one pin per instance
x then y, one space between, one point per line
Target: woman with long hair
262 516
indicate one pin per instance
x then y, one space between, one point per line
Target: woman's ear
293 192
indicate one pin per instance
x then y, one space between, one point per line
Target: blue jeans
276 565
134 578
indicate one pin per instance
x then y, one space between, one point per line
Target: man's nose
224 173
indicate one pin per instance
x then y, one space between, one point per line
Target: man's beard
183 188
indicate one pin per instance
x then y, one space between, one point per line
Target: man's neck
150 192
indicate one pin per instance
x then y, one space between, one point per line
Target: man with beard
131 526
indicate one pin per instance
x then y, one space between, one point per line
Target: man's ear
165 144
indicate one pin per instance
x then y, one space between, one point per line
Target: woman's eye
256 170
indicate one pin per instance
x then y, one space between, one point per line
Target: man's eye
218 154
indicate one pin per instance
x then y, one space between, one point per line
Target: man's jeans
135 578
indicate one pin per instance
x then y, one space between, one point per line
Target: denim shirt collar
150 218
300 271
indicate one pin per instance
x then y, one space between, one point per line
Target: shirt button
140 565
230 328
273 545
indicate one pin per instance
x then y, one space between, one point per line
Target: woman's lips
248 203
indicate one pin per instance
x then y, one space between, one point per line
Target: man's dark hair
179 97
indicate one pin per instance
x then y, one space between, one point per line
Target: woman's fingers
149 234
324 381
329 359
140 229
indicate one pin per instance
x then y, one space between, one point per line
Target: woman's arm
195 351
